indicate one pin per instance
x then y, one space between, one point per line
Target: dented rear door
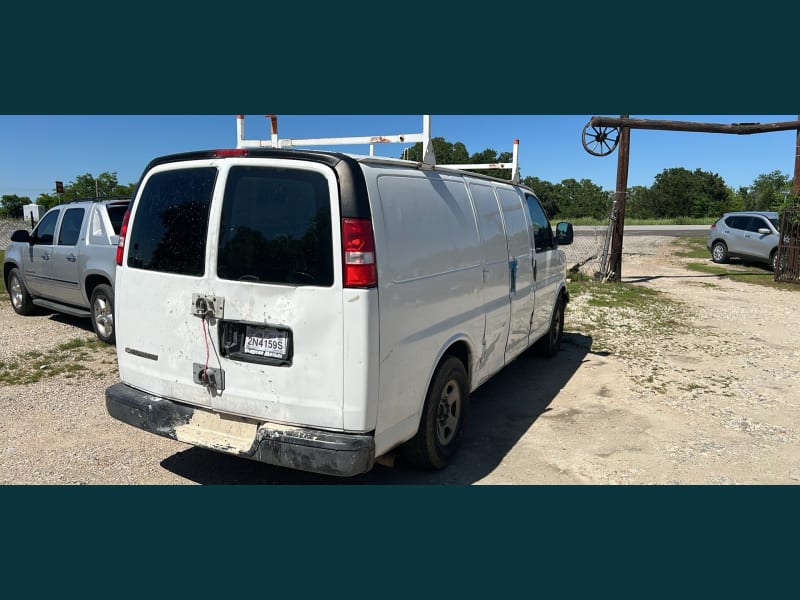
230 296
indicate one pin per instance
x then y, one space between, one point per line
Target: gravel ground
710 401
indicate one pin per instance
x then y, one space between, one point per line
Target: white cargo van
318 310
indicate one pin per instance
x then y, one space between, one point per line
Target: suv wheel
719 252
21 300
103 313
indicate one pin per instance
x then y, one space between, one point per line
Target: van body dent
318 310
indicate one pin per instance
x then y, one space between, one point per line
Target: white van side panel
430 278
496 277
521 256
360 359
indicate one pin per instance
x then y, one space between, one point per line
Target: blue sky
37 150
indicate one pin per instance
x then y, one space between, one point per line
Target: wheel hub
448 413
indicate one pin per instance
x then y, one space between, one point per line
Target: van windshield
276 227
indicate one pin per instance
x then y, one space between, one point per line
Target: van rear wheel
443 416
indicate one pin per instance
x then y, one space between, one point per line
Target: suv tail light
123 232
358 254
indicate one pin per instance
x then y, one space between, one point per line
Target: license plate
267 342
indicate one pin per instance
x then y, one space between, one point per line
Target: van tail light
358 250
123 232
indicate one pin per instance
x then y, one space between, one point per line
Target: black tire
719 253
444 414
773 260
102 313
549 345
21 300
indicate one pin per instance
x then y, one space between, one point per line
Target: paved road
659 230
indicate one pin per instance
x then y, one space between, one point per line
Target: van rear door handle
71 257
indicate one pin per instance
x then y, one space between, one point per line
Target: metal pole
615 257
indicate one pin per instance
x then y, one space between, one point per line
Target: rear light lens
123 232
358 250
224 153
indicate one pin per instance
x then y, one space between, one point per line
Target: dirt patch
709 399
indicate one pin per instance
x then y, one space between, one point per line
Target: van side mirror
21 235
564 233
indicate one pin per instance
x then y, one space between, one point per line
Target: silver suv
67 263
749 235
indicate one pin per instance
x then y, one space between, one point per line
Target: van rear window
276 227
171 223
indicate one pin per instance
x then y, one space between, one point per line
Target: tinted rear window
116 213
276 227
171 224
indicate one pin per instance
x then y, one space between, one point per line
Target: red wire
205 339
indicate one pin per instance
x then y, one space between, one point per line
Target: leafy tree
577 199
447 153
546 192
86 186
768 191
678 192
12 205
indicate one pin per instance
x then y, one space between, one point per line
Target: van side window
276 227
171 222
540 225
70 227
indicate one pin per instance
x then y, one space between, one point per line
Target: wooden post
796 184
615 254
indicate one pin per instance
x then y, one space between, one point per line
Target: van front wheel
443 416
550 344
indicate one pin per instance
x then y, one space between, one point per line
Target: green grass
66 359
736 270
614 306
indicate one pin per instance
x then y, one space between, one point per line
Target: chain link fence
7 227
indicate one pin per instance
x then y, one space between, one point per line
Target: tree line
676 192
104 185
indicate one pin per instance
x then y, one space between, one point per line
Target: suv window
170 230
43 234
116 212
70 226
757 223
276 227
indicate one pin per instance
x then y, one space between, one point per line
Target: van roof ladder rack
428 156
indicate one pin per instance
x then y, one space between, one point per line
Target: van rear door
230 294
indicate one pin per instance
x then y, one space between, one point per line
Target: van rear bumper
305 449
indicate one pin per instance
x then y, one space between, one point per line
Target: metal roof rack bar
428 156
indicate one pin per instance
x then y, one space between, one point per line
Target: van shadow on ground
502 411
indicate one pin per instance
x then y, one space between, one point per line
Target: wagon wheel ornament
600 141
